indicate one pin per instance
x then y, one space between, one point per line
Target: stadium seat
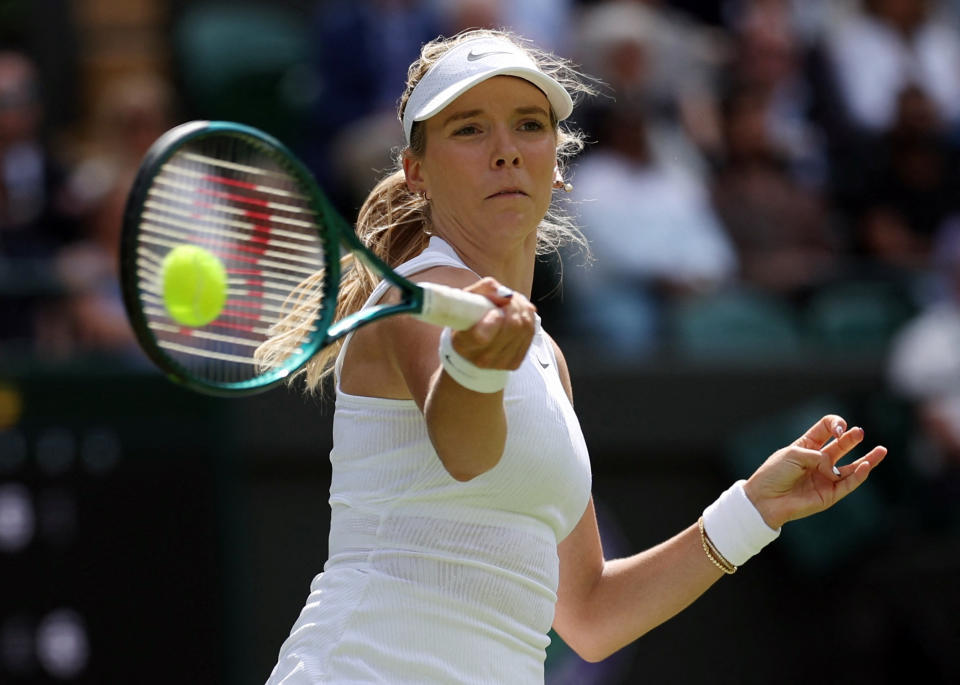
734 323
856 317
245 63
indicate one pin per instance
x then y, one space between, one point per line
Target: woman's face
488 165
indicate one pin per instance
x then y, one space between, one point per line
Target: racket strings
226 195
296 324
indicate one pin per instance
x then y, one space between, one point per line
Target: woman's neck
510 265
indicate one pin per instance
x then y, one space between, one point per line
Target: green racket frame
335 232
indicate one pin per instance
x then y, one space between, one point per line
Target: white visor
468 64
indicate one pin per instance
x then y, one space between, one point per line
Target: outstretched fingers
837 446
804 478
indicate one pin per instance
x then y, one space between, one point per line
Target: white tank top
432 580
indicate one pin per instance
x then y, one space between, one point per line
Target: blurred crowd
763 177
60 215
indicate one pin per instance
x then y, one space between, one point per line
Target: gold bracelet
712 553
724 564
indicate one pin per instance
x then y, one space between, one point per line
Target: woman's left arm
604 605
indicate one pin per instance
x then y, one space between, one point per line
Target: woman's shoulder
372 363
455 276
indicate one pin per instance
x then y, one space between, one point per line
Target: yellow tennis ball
194 285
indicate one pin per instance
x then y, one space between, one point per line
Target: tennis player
462 526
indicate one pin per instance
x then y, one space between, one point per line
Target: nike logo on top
474 56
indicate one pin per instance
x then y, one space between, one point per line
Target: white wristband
735 527
465 372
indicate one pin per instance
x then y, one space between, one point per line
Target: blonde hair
395 224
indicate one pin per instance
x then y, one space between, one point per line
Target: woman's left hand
799 480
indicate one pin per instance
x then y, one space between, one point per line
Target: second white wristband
735 527
465 372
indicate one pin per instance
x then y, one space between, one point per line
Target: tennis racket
241 199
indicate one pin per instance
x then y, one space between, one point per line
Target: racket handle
446 306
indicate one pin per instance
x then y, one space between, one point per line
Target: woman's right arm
468 428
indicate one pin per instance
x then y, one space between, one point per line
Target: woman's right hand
469 429
500 339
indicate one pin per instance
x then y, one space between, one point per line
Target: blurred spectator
378 37
808 18
769 59
651 228
644 49
362 50
924 368
30 177
885 46
134 112
780 227
545 22
641 192
906 184
34 222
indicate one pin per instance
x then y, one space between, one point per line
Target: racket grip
446 306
